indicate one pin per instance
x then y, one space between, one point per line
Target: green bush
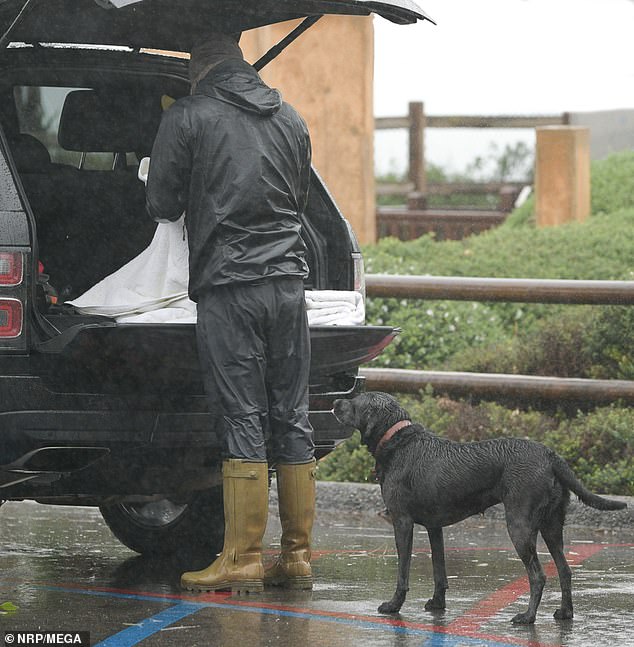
434 332
599 446
612 184
610 343
600 248
523 216
351 461
581 341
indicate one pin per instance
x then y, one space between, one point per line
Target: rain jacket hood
233 81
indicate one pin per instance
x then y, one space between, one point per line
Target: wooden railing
416 121
466 288
532 389
416 217
445 224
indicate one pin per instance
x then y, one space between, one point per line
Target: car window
39 109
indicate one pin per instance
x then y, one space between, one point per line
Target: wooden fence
535 389
417 218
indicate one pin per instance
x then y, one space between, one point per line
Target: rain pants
261 384
236 159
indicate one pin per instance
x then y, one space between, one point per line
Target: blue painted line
438 639
148 627
133 635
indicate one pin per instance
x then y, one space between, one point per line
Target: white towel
335 307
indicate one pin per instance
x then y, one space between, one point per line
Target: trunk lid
170 24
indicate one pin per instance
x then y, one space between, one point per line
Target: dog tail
567 478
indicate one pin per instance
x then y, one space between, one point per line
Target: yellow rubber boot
296 496
239 567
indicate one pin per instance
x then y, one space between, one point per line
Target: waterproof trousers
254 348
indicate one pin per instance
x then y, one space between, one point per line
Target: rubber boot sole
291 583
239 588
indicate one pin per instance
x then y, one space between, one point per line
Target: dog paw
523 619
435 605
389 608
563 614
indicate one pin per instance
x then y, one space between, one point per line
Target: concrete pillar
328 75
562 175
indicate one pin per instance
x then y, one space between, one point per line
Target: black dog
436 482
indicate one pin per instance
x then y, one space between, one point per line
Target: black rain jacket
236 159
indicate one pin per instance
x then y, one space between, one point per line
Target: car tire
165 527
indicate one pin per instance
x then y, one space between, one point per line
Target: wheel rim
155 513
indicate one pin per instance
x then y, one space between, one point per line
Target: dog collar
391 431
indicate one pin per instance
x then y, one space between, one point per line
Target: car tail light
359 274
11 268
11 318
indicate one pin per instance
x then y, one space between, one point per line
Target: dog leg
403 534
553 536
437 544
524 539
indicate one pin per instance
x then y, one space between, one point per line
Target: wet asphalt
62 570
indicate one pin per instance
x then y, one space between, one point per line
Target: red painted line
483 611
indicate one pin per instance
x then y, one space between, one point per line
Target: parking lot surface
62 570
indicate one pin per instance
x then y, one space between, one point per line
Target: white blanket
152 288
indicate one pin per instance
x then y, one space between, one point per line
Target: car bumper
36 417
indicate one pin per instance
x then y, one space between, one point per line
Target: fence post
562 175
506 199
417 199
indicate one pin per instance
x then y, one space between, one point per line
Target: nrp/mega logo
77 638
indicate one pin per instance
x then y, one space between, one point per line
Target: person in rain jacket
236 159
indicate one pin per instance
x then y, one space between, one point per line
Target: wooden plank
491 385
474 121
496 289
390 123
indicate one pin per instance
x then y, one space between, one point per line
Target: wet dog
436 482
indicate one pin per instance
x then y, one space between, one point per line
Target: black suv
93 412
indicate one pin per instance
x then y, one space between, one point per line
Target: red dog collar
391 431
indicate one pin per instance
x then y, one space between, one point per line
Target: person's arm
170 164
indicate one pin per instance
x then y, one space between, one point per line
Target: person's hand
144 169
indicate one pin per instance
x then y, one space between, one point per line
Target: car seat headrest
92 122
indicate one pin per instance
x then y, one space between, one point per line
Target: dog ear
378 412
377 416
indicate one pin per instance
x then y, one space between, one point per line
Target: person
236 159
